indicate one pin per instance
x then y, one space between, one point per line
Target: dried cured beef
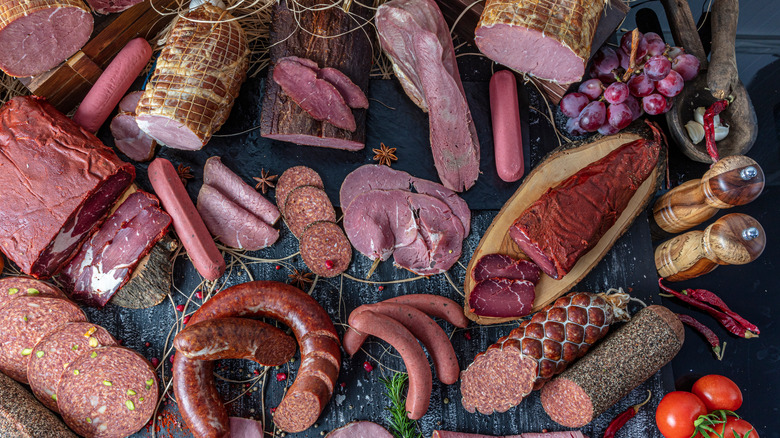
56 350
325 249
109 392
106 261
217 175
503 266
58 183
26 321
233 225
502 298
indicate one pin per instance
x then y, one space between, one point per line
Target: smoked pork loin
58 183
198 75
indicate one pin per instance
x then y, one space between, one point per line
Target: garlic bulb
721 132
696 131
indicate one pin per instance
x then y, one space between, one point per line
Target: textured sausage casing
507 138
235 338
434 305
617 365
195 390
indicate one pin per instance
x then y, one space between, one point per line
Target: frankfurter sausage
422 327
235 338
112 84
188 224
507 139
394 333
434 305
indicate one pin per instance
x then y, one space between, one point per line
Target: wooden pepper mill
734 239
732 181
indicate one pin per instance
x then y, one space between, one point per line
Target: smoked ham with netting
549 39
198 75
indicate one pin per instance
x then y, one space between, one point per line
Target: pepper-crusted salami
619 364
306 205
25 321
293 178
14 287
22 415
56 350
325 249
110 392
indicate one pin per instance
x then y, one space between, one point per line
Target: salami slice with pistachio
109 392
26 320
15 287
56 350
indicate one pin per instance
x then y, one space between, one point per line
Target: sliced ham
502 298
233 225
380 221
128 137
360 429
352 94
219 176
112 6
245 428
503 266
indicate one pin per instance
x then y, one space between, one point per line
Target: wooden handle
678 12
734 180
734 239
682 258
683 207
722 76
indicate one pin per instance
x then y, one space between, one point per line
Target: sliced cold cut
232 224
26 321
14 287
379 221
620 363
504 266
109 392
306 205
325 249
219 176
112 6
108 258
56 350
293 178
57 176
502 298
352 94
22 415
128 137
360 429
245 428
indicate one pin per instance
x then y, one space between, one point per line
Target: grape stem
632 59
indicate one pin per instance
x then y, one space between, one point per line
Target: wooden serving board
560 164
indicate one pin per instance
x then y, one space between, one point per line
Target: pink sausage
112 84
505 112
188 224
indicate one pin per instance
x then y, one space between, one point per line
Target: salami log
22 416
617 365
330 38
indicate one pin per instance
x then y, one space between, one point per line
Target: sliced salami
110 392
504 266
293 178
306 205
26 320
325 249
502 298
14 287
56 350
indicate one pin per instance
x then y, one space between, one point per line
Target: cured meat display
549 39
128 137
106 261
21 414
530 355
343 50
414 35
57 176
569 219
197 76
37 35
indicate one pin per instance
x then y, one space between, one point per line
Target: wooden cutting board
560 164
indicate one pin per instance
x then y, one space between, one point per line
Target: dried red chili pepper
710 298
620 421
705 331
709 127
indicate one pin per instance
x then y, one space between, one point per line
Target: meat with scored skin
549 39
37 35
20 413
416 38
112 6
233 225
43 157
504 266
502 298
293 178
26 320
318 97
219 176
56 350
360 429
128 137
541 347
570 218
107 260
15 287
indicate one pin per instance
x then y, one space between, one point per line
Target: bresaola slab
505 286
503 266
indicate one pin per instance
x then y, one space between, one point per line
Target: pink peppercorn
281 377
367 366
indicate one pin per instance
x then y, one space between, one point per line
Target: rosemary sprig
402 426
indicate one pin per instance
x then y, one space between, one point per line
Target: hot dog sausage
422 327
507 139
235 338
394 333
435 305
188 224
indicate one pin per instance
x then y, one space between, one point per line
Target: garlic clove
721 132
695 131
698 115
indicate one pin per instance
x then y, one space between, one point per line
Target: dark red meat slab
504 266
58 183
106 261
502 298
569 219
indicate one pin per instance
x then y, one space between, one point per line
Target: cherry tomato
733 425
677 412
718 392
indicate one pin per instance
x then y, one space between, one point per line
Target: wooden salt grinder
734 239
732 181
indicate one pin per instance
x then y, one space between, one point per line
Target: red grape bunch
609 101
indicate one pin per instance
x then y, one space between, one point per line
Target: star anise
385 155
300 279
184 173
265 181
